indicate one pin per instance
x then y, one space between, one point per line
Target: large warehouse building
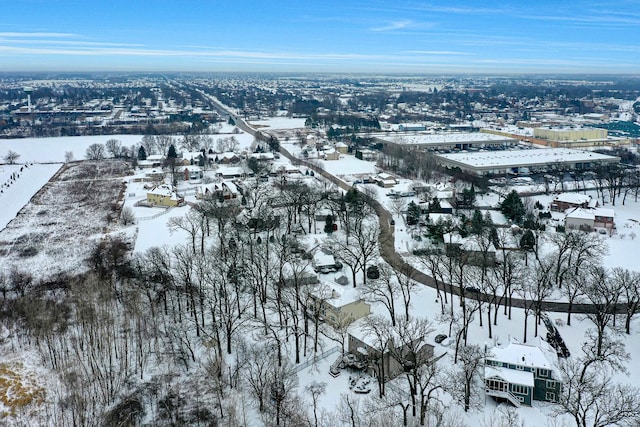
449 141
577 137
513 161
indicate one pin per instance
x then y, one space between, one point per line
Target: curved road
387 239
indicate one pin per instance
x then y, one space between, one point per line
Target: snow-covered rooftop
579 213
519 158
510 375
540 356
341 295
450 138
573 198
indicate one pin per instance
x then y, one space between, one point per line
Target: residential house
385 180
588 219
521 373
324 261
227 158
579 219
565 201
192 158
331 154
266 157
154 175
152 161
339 305
191 173
369 155
478 251
366 349
164 195
225 190
228 172
604 217
341 147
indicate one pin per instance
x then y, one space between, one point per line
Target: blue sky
321 36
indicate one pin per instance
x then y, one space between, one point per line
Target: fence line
316 358
148 218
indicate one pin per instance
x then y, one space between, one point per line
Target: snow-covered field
43 150
15 193
278 123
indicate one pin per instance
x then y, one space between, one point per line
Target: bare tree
11 157
407 286
592 399
358 247
256 373
316 389
95 152
161 143
383 290
603 293
149 144
193 224
127 217
534 290
627 281
114 147
573 289
471 357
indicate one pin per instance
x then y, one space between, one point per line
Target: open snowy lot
18 183
278 123
43 150
50 235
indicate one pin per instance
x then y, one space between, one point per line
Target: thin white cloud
15 34
65 43
394 26
436 52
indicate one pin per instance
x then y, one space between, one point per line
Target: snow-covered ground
425 302
14 194
278 123
42 150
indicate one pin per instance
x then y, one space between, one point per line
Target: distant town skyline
329 36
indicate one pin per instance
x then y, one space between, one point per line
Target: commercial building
535 160
576 137
450 141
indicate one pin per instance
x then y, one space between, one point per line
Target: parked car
439 338
373 272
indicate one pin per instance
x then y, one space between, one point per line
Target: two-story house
164 195
521 373
387 362
339 305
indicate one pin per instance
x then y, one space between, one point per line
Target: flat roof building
577 137
448 141
510 161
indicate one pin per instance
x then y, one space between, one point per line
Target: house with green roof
520 373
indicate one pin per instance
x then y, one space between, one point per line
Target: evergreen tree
328 224
512 207
413 213
477 223
172 154
528 241
142 153
434 205
467 198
